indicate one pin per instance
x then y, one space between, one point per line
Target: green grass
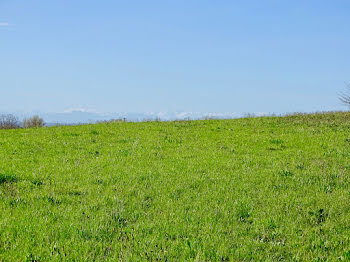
271 188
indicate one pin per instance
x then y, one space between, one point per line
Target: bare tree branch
34 121
8 122
344 97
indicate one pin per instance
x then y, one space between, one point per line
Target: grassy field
271 188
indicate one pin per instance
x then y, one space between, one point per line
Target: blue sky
204 56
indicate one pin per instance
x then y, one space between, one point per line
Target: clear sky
184 55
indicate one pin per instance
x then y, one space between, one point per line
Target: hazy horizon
78 116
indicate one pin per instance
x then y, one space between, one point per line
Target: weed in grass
32 258
7 178
243 211
318 217
37 182
14 202
286 173
346 255
53 200
75 193
276 141
300 166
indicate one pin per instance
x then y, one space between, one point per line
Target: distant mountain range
81 116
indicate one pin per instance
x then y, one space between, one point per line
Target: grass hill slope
271 188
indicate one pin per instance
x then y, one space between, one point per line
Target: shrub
113 120
34 121
8 122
